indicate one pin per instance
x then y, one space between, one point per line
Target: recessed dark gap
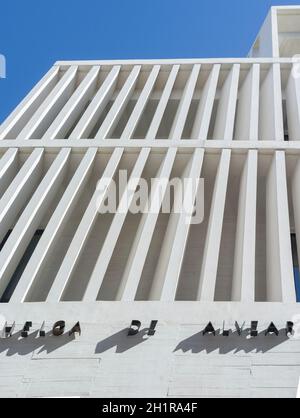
213 120
21 266
5 239
168 119
285 121
296 266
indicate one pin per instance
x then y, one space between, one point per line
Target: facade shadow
24 346
121 341
234 343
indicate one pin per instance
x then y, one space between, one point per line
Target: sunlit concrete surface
233 122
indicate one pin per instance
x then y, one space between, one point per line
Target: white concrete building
233 122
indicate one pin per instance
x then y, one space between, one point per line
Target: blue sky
36 33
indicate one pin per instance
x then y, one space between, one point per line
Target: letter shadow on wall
24 346
234 343
122 341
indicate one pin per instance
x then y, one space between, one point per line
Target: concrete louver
68 103
62 139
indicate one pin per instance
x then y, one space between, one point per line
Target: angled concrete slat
97 105
25 110
185 103
141 103
20 190
112 236
243 283
74 106
293 104
205 108
270 113
140 247
208 276
248 107
163 102
84 229
51 235
121 101
279 262
31 217
8 168
295 187
50 107
224 124
174 264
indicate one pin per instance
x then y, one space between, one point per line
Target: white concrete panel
184 105
175 261
243 285
280 277
296 203
202 119
266 44
271 116
224 124
248 107
209 268
293 104
8 168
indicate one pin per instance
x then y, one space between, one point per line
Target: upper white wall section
279 35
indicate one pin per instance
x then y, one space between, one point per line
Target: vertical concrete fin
185 103
97 105
295 185
51 106
157 118
112 236
248 107
204 111
178 227
8 168
74 106
121 101
141 103
51 235
31 218
224 124
11 127
270 115
84 229
293 104
243 285
208 276
182 230
139 250
280 277
20 190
